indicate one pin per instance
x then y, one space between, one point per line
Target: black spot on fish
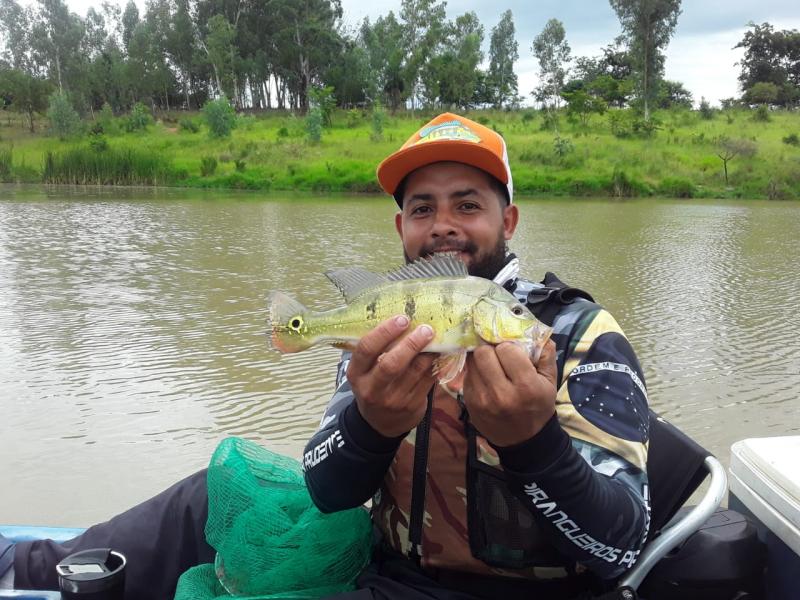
371 309
411 308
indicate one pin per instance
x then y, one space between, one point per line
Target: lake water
132 323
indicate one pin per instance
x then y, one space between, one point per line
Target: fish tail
288 324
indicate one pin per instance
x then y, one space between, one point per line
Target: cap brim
396 166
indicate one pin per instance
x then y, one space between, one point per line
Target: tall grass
6 163
87 166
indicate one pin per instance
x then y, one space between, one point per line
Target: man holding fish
499 426
511 477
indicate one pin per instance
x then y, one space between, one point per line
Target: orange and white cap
448 137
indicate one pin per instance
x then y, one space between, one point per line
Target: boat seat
676 466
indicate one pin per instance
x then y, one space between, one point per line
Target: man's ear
398 224
510 220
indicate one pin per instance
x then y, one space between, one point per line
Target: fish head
500 317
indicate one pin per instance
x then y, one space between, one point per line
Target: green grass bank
607 157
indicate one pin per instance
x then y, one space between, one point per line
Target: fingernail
402 321
425 331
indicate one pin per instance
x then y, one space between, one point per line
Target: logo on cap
450 130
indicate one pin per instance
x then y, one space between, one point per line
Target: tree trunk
30 117
58 70
186 93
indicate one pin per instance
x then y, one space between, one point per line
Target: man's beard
482 265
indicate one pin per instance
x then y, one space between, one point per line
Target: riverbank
608 156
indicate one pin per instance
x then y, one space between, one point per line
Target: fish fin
447 366
349 346
540 334
439 265
288 325
352 281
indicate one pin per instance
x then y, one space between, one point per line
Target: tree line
292 53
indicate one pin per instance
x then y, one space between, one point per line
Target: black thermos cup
96 574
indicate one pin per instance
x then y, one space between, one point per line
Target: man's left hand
509 398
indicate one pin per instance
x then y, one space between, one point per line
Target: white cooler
765 484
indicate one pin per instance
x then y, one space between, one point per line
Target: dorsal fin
352 281
439 265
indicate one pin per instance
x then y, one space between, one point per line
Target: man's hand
390 378
510 399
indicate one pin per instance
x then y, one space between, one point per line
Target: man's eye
469 206
421 210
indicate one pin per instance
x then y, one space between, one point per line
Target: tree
762 92
729 148
503 53
451 75
130 19
647 26
771 57
424 30
221 53
384 44
673 94
552 51
25 93
55 40
581 105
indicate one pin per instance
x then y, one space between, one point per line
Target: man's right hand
390 377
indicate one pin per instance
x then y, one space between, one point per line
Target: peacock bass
464 312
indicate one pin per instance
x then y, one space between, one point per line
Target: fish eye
517 310
296 323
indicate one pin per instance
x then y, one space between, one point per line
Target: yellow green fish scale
444 303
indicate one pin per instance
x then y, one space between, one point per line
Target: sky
700 54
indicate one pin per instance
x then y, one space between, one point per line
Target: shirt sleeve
345 461
583 476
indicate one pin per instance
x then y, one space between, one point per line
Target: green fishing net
271 540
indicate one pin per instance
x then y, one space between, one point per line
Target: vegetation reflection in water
133 324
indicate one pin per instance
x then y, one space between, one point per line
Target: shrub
105 121
706 112
220 117
98 143
283 132
353 118
792 139
64 121
314 121
240 165
528 116
562 146
323 99
208 166
139 119
377 122
677 187
188 125
624 186
761 114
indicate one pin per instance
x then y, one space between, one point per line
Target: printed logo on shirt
608 389
541 501
322 451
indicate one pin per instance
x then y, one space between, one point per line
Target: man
523 475
519 478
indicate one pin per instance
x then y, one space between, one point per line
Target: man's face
450 206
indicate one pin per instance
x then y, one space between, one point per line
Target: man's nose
443 225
